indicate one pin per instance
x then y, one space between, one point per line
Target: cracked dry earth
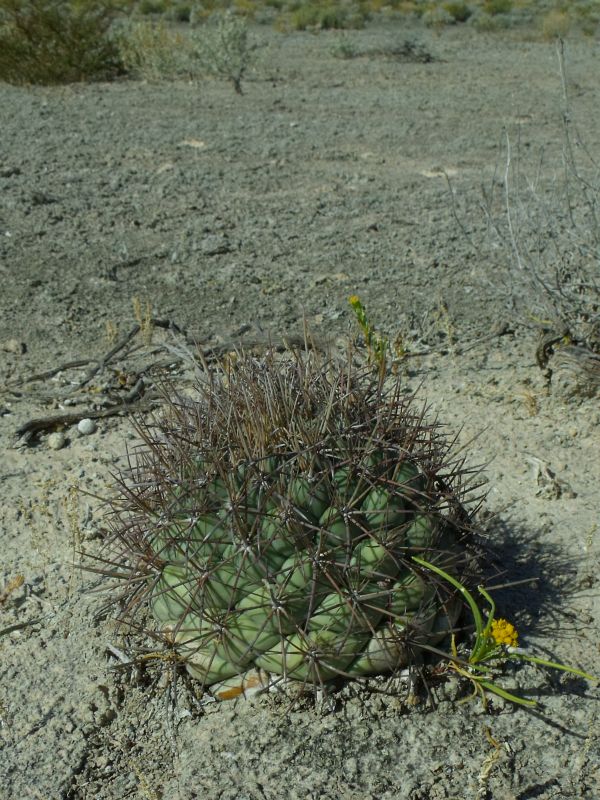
241 216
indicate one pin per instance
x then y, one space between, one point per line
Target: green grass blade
555 665
513 698
462 589
492 612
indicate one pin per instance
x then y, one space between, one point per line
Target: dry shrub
555 23
53 41
550 227
328 15
153 51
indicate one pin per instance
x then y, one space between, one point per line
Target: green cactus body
313 657
337 530
172 596
274 539
203 663
375 561
259 631
309 499
386 651
263 619
301 585
422 533
217 491
245 565
343 612
382 509
345 485
406 476
201 541
211 651
286 547
221 586
445 619
408 594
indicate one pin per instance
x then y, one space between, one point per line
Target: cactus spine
269 524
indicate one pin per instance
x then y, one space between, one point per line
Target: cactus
268 525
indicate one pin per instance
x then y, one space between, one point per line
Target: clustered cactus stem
268 525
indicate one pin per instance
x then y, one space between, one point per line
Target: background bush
57 41
153 51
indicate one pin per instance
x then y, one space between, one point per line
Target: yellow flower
354 300
504 633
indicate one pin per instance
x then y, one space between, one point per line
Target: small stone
56 441
215 244
14 346
86 427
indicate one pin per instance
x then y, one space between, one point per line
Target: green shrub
437 18
180 12
53 41
488 23
458 10
152 6
494 7
328 15
344 48
223 48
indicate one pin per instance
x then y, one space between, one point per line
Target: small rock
14 346
86 427
56 441
215 244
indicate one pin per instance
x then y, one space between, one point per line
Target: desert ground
242 217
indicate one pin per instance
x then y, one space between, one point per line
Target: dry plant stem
513 239
43 376
43 424
14 583
19 626
138 398
122 343
571 160
100 365
552 240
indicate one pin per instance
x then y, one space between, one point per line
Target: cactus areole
266 526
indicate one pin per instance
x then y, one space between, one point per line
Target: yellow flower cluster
503 632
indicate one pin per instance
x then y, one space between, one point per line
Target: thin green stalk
478 619
554 665
513 698
491 642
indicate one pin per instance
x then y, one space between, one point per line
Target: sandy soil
231 215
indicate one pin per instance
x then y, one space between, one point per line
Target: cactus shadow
533 582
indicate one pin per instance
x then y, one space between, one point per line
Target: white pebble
86 427
56 440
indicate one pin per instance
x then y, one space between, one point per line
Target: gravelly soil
233 214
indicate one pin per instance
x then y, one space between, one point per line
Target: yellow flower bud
504 633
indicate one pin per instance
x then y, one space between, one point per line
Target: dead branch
57 421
